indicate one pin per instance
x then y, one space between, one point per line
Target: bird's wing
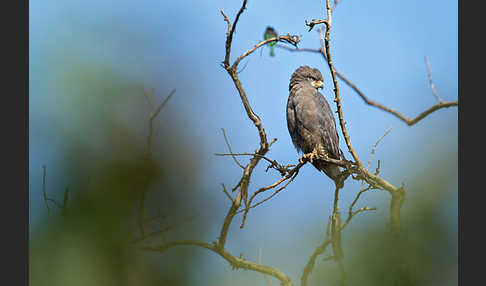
313 113
328 125
291 123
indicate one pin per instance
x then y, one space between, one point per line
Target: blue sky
379 45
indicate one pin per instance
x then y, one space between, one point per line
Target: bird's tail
272 52
331 170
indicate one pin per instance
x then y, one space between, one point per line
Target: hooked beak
317 84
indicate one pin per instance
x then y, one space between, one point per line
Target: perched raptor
310 121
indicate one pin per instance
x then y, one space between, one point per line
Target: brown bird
311 123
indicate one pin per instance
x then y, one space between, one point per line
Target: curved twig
236 262
409 121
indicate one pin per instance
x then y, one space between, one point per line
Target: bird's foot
309 156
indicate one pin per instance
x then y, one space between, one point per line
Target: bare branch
149 100
235 205
229 148
336 241
405 119
432 86
226 19
227 194
342 163
314 22
290 176
44 191
152 115
374 147
155 233
326 46
163 103
235 262
318 251
294 40
352 214
408 121
231 30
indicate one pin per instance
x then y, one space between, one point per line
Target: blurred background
89 62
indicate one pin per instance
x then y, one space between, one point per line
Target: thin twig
341 163
235 205
226 192
291 176
353 213
336 241
408 121
44 191
325 46
292 39
152 115
235 262
432 86
231 151
144 237
374 147
318 251
163 103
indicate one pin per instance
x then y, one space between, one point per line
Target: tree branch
235 262
328 56
409 121
432 86
318 251
44 191
231 151
152 115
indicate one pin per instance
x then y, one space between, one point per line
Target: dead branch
229 148
431 82
328 56
243 184
409 121
235 262
152 115
291 39
374 147
336 241
226 192
44 191
155 233
318 251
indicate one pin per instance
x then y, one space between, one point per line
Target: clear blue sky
379 45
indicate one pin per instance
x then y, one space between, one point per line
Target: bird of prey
311 123
270 33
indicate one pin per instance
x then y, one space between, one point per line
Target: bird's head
306 74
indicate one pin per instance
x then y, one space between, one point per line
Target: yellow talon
309 155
